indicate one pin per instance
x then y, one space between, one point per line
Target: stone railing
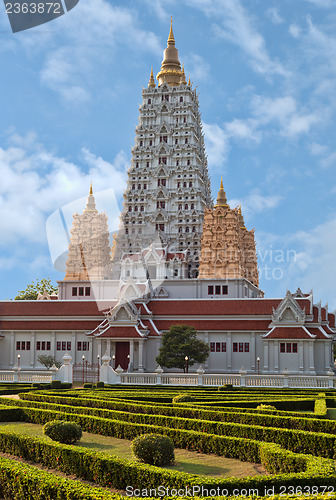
26 376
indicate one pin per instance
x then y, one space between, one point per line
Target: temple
177 258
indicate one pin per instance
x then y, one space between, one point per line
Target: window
194 229
79 346
136 208
48 345
68 346
86 346
142 208
160 204
187 229
162 159
224 289
130 209
218 347
247 347
184 184
176 141
23 345
161 182
137 165
38 345
151 144
217 290
149 101
28 345
58 346
43 345
282 347
295 347
192 206
147 164
141 143
81 291
63 345
180 229
181 99
133 187
241 347
18 345
188 162
74 291
190 184
210 290
180 206
223 346
87 291
145 186
235 347
212 346
186 206
288 347
163 138
139 186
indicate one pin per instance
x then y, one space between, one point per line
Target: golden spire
184 81
171 66
189 82
171 39
151 82
221 198
91 191
241 218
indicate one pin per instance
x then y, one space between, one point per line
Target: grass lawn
186 461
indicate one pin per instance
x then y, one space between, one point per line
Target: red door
122 351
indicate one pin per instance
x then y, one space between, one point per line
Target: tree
178 343
33 289
48 361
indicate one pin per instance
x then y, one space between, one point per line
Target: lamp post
258 361
83 358
19 359
113 361
98 360
186 360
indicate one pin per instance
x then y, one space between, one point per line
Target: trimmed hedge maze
297 448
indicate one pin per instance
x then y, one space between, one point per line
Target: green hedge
111 471
24 482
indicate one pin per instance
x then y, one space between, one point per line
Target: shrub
266 407
87 386
56 384
62 431
226 387
100 385
183 398
154 449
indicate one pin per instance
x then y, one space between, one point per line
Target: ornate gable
123 313
288 312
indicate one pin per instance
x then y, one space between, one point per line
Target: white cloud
295 30
197 67
233 23
274 16
326 4
216 143
159 7
256 202
35 182
318 149
243 129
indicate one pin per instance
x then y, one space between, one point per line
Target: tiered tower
168 184
89 250
228 249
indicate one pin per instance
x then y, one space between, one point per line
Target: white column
73 347
32 349
253 351
327 347
229 351
53 344
108 347
206 340
12 349
141 346
90 353
265 369
132 352
301 367
311 357
276 356
99 348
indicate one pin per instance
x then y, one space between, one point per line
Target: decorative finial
151 82
91 190
189 82
241 218
221 198
183 79
239 209
171 39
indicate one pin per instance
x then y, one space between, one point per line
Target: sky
266 75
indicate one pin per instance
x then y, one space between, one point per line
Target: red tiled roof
207 307
282 332
220 325
315 314
53 324
120 331
324 314
331 319
318 333
54 308
149 325
178 255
